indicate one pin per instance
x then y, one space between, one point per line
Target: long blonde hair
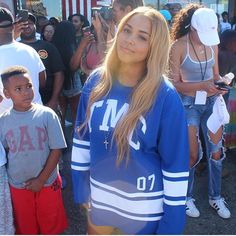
144 93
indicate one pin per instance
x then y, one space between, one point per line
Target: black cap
5 15
32 17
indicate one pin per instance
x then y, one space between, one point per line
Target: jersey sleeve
173 147
80 157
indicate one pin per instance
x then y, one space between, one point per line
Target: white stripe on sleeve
81 142
175 203
175 175
80 168
175 188
80 155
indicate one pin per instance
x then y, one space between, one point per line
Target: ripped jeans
197 116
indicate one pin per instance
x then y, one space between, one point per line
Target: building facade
63 8
217 5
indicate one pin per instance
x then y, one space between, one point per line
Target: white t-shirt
3 159
224 26
20 54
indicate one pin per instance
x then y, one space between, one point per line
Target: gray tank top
191 70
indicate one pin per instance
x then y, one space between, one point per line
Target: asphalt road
207 224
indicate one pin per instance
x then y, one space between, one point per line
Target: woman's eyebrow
142 31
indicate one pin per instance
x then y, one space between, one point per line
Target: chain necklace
200 63
106 142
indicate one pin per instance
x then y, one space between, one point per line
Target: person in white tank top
194 70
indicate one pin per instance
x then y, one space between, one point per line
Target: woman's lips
126 49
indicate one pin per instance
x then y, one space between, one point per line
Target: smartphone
222 86
86 30
94 11
23 14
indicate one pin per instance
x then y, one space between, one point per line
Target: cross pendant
106 143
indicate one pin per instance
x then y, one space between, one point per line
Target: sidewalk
208 223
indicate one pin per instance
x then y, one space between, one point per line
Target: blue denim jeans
197 116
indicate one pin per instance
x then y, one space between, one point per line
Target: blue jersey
148 195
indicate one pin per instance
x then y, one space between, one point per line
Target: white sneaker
220 207
191 209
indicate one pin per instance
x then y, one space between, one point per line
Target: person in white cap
194 70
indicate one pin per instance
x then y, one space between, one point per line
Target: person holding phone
92 48
194 71
52 62
79 21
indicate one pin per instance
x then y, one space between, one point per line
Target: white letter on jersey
96 104
134 145
111 112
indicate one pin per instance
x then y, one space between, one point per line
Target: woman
128 147
64 40
79 21
47 32
93 47
194 68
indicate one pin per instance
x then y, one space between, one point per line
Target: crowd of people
144 93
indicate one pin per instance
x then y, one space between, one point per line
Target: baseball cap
32 17
219 116
166 14
205 22
7 17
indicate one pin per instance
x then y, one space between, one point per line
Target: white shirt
20 54
224 26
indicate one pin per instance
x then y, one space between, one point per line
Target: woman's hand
209 87
87 39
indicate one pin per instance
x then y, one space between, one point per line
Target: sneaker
220 207
191 209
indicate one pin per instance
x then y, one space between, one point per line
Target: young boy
33 137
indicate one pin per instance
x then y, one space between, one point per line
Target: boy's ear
6 93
